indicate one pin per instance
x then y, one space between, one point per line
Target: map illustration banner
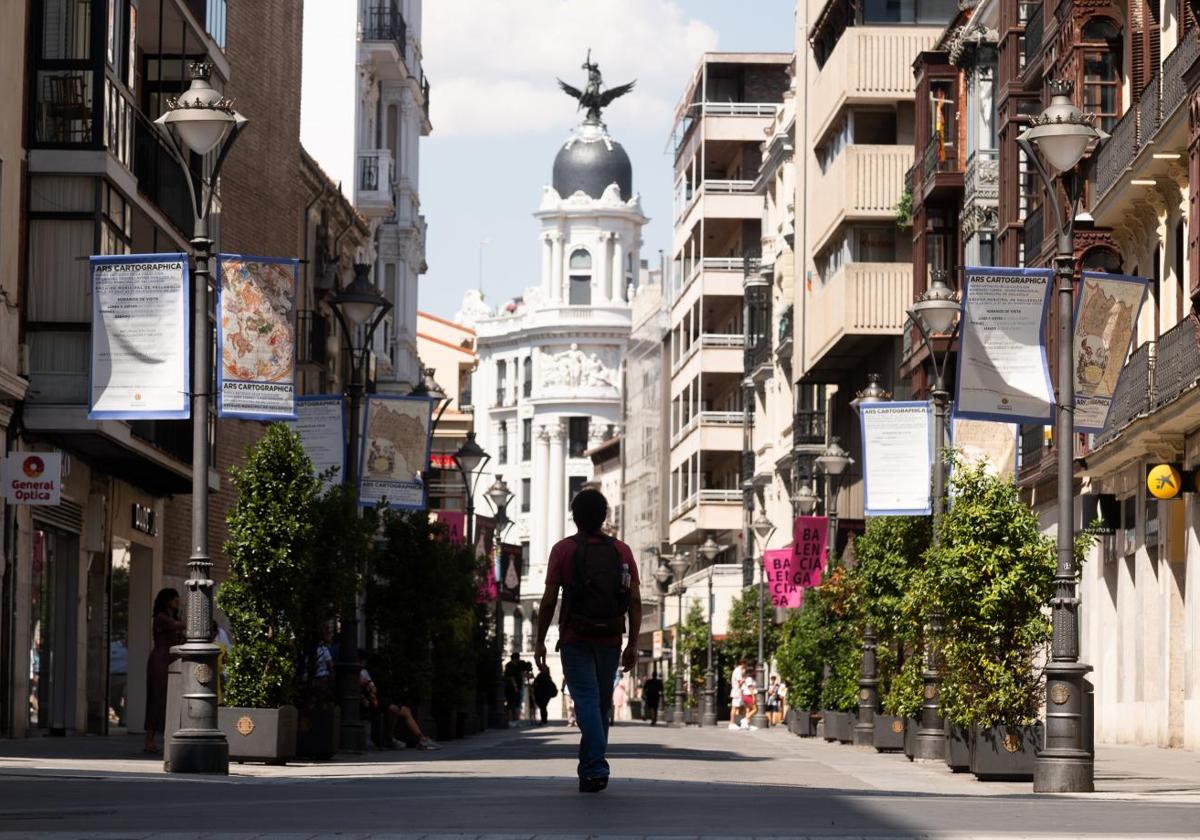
983 441
321 424
395 451
256 337
808 550
777 571
897 457
138 368
1002 371
1106 311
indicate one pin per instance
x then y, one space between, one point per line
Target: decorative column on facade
556 267
603 265
547 265
617 275
556 502
541 480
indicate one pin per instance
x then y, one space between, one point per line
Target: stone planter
958 748
259 734
911 726
839 726
889 733
831 726
1005 753
318 733
789 720
806 723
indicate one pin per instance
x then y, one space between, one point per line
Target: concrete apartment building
392 114
448 354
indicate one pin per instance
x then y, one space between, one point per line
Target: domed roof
589 162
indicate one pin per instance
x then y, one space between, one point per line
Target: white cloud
493 62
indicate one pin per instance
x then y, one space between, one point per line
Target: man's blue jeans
591 672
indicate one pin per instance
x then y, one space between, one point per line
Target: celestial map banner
1106 311
256 337
395 451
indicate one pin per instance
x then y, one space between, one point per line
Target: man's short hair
589 509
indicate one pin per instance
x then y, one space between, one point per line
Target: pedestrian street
520 783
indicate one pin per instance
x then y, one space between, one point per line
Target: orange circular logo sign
33 466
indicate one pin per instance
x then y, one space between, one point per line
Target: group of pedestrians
743 698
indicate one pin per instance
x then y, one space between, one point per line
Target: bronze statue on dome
592 97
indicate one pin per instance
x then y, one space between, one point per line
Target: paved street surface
520 784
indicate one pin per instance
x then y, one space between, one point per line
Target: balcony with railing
1033 234
718 353
869 65
808 428
1035 27
312 333
852 309
374 196
1149 137
941 169
715 431
383 23
863 183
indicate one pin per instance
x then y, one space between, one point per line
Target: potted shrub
842 650
888 554
271 536
800 662
991 575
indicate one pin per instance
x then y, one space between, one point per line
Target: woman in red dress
168 632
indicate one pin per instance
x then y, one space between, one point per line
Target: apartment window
502 453
527 377
580 293
577 436
877 128
526 494
527 439
943 122
874 244
1180 284
501 381
574 485
1101 68
908 11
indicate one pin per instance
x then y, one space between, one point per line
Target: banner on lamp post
455 522
1002 369
897 457
983 441
256 337
395 451
320 422
779 578
808 550
1106 311
138 366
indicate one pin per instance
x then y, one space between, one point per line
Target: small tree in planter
888 556
801 659
841 647
991 576
270 546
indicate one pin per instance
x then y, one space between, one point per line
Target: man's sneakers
733 727
594 784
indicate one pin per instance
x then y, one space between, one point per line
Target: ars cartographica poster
1105 313
395 451
256 337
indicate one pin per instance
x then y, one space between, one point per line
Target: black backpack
596 602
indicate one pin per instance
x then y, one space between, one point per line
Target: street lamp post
833 462
763 529
679 565
709 551
1062 135
360 309
868 684
805 498
199 120
499 496
936 314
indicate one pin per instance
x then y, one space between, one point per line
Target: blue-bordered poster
395 451
1106 311
256 337
1002 370
320 422
138 365
897 458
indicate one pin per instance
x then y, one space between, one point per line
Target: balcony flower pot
259 734
958 747
318 731
1004 753
889 732
911 726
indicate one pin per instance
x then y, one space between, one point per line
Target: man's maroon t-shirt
559 573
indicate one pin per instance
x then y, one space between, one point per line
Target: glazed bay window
580 290
526 494
577 436
502 449
907 11
1102 71
527 439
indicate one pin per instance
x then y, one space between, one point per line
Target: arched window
1101 68
580 278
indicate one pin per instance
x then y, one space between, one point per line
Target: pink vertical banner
808 550
489 588
777 569
455 522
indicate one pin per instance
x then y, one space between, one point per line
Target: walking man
600 586
652 690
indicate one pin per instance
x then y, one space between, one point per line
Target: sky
499 118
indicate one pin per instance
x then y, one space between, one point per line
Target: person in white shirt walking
736 684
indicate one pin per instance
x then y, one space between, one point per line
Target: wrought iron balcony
312 330
1034 234
1176 364
383 21
1035 26
808 428
1174 90
1133 396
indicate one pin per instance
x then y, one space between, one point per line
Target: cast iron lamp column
763 529
198 121
833 462
709 551
936 314
499 497
360 309
805 498
662 581
1062 134
679 566
868 683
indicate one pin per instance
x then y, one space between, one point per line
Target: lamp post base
1064 771
930 745
1066 764
709 718
198 746
759 719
